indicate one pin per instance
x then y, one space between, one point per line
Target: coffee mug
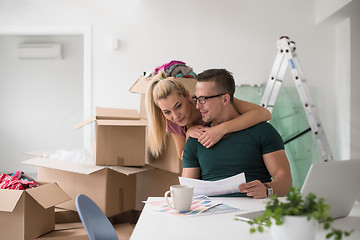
181 196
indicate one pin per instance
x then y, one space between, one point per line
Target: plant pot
294 228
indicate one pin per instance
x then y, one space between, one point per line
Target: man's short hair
224 80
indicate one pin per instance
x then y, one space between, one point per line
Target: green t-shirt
237 152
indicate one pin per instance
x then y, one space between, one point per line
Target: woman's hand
195 131
210 135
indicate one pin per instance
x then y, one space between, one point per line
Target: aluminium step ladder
286 57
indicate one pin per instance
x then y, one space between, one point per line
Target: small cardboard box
119 137
27 214
112 188
169 159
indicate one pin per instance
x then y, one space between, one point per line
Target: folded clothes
190 74
180 68
167 65
171 69
176 68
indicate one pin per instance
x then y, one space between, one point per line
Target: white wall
325 8
239 35
41 100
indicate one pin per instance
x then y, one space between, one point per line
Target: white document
213 188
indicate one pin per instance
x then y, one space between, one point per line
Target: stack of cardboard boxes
124 174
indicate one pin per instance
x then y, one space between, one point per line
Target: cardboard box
66 216
66 231
112 188
76 231
153 183
119 137
27 214
169 159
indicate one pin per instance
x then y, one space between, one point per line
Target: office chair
97 225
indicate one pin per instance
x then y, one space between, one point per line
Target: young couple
225 136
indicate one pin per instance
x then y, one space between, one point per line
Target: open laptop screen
338 182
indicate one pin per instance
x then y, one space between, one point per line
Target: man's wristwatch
269 190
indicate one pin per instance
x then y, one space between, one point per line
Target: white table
157 225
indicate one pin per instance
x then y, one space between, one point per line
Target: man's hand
254 189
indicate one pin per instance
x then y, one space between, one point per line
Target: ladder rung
288 57
297 135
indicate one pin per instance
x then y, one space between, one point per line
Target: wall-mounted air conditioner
39 51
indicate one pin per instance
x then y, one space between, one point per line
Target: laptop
337 182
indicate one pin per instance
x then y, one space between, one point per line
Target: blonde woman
170 109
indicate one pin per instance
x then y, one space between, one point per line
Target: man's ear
226 99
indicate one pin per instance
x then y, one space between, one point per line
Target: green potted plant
287 218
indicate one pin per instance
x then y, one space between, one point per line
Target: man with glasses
257 151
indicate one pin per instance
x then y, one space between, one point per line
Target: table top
160 225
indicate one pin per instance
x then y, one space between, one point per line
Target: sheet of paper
201 206
214 188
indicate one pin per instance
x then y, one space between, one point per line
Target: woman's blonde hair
160 87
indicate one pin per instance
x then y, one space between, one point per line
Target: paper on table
213 188
200 205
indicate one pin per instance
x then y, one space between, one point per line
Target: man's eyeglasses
202 99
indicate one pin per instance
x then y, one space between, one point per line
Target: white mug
181 196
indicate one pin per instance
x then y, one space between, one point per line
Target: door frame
86 32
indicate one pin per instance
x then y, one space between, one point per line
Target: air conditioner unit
39 51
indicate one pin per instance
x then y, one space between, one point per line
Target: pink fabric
174 128
11 182
167 65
